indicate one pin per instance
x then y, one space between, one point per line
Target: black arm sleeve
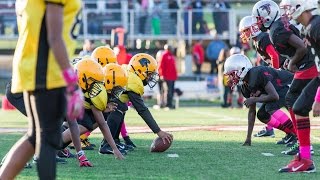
143 111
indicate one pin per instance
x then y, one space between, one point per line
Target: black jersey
279 36
261 44
259 76
312 32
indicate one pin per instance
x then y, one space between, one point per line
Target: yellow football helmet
104 55
90 74
145 66
116 79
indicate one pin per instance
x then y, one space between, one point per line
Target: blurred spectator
142 9
198 55
93 24
161 101
204 29
122 56
173 6
223 55
87 48
155 17
168 72
213 51
220 16
197 15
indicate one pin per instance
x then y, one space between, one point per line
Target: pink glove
75 107
83 161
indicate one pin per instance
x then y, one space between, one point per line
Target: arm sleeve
143 111
273 55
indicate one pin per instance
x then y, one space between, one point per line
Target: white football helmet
265 12
236 67
248 28
294 8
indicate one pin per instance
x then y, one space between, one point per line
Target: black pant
142 23
46 110
170 91
303 104
214 66
198 70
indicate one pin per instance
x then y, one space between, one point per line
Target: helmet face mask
152 79
233 78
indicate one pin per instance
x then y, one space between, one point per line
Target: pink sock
305 152
88 133
124 132
269 127
273 122
280 116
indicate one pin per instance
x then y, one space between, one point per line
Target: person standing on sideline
41 70
198 55
168 73
88 47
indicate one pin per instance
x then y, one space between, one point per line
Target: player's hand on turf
250 101
83 160
316 109
75 106
166 137
292 67
117 154
247 143
111 106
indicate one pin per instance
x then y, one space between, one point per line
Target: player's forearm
75 134
251 120
273 55
300 53
54 24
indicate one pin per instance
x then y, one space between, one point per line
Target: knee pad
263 116
289 100
300 110
53 139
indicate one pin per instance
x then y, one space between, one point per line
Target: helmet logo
266 7
144 62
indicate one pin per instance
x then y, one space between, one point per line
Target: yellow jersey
99 101
34 65
135 84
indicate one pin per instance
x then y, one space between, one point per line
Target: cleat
123 146
65 153
293 150
128 142
299 165
265 133
86 145
287 139
105 148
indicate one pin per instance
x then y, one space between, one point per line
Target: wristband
317 97
70 76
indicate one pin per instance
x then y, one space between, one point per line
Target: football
158 145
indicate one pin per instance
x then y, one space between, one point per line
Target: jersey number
75 30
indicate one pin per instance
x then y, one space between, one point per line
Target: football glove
75 106
83 161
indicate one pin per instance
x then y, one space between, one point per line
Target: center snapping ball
158 145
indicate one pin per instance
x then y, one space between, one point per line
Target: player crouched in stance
261 84
91 80
141 72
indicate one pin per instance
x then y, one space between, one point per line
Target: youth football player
41 70
261 84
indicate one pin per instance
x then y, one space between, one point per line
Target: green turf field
202 154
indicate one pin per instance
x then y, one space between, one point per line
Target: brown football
158 145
